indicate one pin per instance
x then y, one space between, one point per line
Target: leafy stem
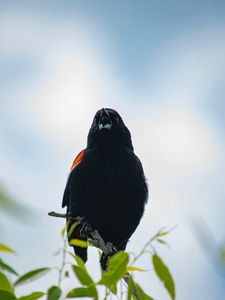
63 262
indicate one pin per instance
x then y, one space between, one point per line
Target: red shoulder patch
77 160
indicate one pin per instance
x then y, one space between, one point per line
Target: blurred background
161 64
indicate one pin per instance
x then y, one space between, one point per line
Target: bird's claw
112 249
85 228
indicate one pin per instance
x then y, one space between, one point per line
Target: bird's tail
81 252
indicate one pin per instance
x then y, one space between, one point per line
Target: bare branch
97 241
58 215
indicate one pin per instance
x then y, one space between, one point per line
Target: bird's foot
85 228
112 249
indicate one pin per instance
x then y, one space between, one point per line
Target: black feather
108 186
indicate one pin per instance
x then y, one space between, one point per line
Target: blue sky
162 66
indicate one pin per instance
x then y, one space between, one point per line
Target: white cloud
176 143
76 73
191 66
181 147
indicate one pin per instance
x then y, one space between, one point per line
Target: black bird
106 184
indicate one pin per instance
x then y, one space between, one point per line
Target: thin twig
58 215
63 263
143 250
97 241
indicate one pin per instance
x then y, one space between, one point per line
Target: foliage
164 274
118 269
119 266
12 207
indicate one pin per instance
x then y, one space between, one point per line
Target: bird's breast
111 168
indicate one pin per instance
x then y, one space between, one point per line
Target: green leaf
79 261
6 295
222 255
164 275
30 276
82 275
6 267
161 241
5 284
32 296
130 290
13 207
4 248
115 271
142 294
71 227
131 269
54 293
78 243
161 232
83 292
136 292
63 230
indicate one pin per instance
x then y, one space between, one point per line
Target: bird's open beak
105 121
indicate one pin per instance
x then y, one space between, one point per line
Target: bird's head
108 130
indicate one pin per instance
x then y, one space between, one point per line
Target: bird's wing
138 165
140 171
76 162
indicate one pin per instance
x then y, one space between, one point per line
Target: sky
161 65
